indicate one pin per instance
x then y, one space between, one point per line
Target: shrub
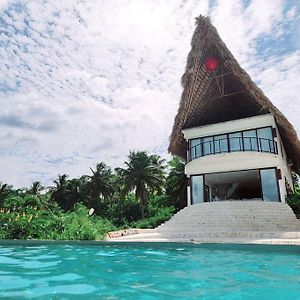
124 212
31 223
78 225
162 215
294 201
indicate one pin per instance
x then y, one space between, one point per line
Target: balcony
231 144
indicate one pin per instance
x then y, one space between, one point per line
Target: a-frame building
237 144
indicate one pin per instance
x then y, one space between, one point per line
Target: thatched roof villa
226 124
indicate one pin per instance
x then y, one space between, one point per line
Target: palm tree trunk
144 205
143 212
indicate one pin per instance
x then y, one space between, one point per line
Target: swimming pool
148 271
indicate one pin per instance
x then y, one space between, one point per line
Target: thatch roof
200 104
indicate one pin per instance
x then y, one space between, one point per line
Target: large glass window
269 185
197 189
236 141
265 138
250 140
221 143
196 148
239 185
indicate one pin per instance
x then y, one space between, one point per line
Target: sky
85 81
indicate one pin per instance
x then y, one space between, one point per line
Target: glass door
197 189
269 185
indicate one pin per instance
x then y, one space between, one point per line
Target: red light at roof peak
211 63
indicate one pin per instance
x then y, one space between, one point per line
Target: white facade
240 160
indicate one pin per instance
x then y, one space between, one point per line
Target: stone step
192 231
237 212
218 210
232 224
233 234
240 202
218 226
229 223
236 215
233 217
228 207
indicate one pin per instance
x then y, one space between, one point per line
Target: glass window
221 143
250 140
265 139
196 148
197 189
235 141
269 185
208 145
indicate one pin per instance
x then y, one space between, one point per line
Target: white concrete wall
229 126
283 166
236 161
233 161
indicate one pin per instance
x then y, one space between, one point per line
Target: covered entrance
258 184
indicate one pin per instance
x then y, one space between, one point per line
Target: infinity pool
148 271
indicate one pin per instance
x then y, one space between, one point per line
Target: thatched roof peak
243 98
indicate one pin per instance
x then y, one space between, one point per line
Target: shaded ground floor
256 184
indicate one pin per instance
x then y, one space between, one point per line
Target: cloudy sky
85 81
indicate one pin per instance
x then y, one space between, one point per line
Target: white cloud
240 27
280 82
87 81
3 4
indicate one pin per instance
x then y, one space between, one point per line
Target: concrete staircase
232 219
227 221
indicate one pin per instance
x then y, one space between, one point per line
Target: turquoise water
148 271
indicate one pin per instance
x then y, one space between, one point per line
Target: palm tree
76 191
176 182
5 190
99 185
68 192
60 191
35 188
143 174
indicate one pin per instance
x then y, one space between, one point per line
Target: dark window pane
196 148
265 138
236 141
208 145
269 185
221 143
250 140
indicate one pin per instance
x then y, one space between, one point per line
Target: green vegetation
293 200
144 194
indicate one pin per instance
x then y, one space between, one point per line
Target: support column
189 200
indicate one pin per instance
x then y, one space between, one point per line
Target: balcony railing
232 144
